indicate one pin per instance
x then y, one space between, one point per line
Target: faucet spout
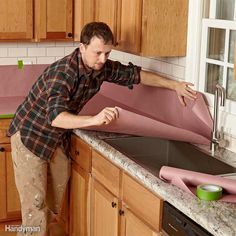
219 92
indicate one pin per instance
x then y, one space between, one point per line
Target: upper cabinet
36 20
164 27
53 20
143 27
16 19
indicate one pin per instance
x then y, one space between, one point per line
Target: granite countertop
219 218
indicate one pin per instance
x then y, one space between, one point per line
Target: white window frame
230 106
199 9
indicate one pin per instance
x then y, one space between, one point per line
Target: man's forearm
152 79
67 120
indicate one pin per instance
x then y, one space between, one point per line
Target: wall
48 52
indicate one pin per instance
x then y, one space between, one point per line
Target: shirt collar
82 67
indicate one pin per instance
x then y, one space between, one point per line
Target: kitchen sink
153 153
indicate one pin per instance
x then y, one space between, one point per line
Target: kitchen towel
189 180
153 112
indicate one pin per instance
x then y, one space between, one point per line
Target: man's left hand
184 91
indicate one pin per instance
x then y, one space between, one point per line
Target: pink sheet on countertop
8 105
188 181
17 82
155 112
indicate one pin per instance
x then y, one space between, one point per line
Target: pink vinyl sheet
154 112
188 181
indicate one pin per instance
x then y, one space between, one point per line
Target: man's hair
98 29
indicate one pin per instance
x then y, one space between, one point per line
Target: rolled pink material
189 180
153 112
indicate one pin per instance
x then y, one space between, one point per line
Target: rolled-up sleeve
58 95
118 73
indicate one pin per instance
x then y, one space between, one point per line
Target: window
217 51
211 56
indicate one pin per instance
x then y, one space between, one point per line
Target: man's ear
82 47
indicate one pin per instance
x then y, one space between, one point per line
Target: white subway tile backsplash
55 51
3 52
28 60
166 68
116 55
27 45
69 50
151 64
182 61
64 44
45 60
17 52
178 71
39 52
8 61
173 60
46 44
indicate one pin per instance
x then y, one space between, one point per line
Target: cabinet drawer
106 173
141 201
81 153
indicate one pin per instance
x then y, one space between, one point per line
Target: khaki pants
41 186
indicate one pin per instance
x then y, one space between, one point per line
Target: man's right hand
106 116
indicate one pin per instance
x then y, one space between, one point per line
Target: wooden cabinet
80 188
36 20
16 19
123 17
104 211
53 20
132 225
144 27
119 204
9 198
129 27
164 27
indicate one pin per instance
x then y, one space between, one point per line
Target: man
42 123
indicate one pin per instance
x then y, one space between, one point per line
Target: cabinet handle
69 35
77 152
2 149
121 212
113 204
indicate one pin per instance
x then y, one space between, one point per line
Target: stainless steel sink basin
153 153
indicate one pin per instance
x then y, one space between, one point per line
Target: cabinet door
84 13
129 30
53 20
164 29
9 198
106 11
132 225
16 19
104 211
79 201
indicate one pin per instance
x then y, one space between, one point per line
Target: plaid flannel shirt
63 86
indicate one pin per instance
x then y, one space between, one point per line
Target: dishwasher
175 223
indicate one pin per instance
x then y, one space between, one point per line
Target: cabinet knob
77 152
121 212
69 35
113 204
2 149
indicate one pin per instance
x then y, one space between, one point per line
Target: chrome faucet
216 139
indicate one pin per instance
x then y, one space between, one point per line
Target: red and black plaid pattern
63 86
